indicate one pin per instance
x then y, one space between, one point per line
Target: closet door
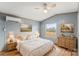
2 32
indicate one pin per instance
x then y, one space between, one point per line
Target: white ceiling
27 9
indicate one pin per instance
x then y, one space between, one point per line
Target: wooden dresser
68 43
11 46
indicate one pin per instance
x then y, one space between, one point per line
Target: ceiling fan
46 7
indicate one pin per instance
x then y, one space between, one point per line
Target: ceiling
27 9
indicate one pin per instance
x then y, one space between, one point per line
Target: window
50 30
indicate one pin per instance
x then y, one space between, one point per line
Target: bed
34 47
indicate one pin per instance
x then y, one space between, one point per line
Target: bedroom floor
57 51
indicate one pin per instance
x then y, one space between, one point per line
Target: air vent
13 19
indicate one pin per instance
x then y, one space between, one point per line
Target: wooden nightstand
11 46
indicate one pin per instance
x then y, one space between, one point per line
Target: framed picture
67 28
50 30
26 28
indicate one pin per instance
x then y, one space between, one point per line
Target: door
2 32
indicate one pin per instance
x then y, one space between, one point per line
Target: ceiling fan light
45 11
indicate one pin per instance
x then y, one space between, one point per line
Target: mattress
34 47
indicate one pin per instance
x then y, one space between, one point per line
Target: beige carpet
57 51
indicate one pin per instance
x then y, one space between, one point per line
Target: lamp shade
37 34
10 37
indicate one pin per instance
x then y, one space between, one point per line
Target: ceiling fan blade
46 6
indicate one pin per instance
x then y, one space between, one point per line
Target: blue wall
68 18
15 26
2 32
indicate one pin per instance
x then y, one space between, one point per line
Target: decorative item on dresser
68 42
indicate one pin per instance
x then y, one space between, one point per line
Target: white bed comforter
34 47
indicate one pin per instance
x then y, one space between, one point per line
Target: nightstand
11 46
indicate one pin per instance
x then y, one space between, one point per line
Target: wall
68 18
35 25
2 32
12 26
15 26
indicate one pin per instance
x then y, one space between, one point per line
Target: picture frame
26 28
67 28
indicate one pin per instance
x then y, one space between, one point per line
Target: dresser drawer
67 42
